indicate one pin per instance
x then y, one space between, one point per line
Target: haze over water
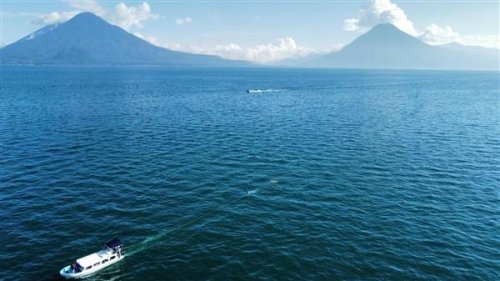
312 175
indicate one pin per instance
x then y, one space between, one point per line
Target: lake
309 175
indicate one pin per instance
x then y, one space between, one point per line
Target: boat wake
261 91
150 241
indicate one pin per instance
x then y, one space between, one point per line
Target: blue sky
265 31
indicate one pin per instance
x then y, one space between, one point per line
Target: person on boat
73 268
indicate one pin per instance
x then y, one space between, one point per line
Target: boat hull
66 272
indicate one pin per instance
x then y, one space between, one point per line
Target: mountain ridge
387 47
87 39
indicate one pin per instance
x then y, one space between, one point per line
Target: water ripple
347 175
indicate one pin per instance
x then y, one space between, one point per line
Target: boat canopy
113 243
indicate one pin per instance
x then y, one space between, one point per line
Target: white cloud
78 6
132 16
151 39
284 48
87 6
124 16
182 21
380 11
281 49
438 35
54 17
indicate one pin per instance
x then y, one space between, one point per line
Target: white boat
88 265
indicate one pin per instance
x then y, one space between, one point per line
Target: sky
265 31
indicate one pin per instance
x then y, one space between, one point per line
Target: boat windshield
113 250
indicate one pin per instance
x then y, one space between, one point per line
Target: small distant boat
255 91
88 265
259 91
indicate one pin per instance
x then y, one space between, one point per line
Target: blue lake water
313 175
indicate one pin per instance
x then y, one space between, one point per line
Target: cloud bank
283 48
439 35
